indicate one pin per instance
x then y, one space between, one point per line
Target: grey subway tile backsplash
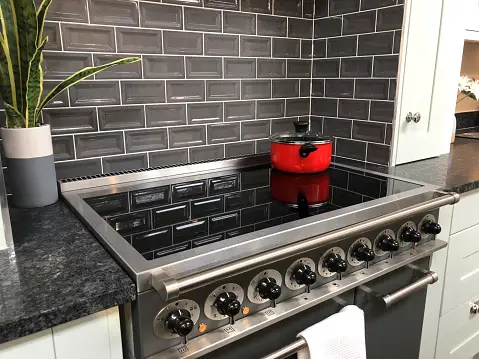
113 12
206 153
130 71
116 117
222 90
52 30
239 68
165 115
186 43
59 65
161 16
185 91
221 45
146 140
59 101
74 120
163 67
239 111
88 38
63 148
124 162
168 157
205 113
90 93
202 20
239 23
187 136
272 25
121 117
217 77
136 40
204 67
137 92
99 144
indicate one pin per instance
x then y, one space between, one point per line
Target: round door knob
335 263
430 227
410 235
363 253
304 275
228 304
179 322
388 244
268 289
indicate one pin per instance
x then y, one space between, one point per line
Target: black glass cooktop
171 218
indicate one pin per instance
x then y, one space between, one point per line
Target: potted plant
26 141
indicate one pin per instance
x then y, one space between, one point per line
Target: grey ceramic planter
31 168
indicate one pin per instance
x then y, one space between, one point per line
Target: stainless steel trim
389 299
220 337
172 287
288 350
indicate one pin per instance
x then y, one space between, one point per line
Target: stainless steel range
232 259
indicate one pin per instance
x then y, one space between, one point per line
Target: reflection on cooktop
171 218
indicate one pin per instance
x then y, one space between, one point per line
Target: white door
427 81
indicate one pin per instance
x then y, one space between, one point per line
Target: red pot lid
300 136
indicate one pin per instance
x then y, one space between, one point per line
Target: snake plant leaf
27 42
5 85
14 118
34 86
81 75
11 49
41 13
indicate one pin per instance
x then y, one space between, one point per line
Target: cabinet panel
458 336
465 212
83 338
38 346
462 273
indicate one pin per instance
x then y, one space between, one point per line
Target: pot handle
306 149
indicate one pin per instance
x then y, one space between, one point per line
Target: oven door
391 333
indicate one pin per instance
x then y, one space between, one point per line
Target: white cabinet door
35 346
424 80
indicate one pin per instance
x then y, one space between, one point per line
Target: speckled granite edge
55 316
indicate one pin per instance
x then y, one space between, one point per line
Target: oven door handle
386 301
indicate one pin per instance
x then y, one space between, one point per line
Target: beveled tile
137 92
286 47
270 108
73 169
146 140
74 120
60 100
95 93
168 157
68 10
205 113
288 8
238 68
139 41
239 149
163 67
124 163
204 67
261 6
239 23
224 132
297 106
299 68
202 20
255 89
187 136
61 65
113 12
280 125
185 91
285 88
300 28
222 45
88 38
272 25
271 68
239 111
255 129
52 30
206 153
63 148
130 71
222 90
161 16
252 46
165 115
121 117
99 144
223 4
187 43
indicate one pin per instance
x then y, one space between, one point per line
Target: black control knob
268 289
228 304
431 227
410 235
334 263
179 322
387 243
304 275
363 253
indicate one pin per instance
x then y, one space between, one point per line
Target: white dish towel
340 336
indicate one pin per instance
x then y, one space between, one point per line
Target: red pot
300 190
302 151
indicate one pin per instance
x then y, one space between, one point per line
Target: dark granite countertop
56 272
457 171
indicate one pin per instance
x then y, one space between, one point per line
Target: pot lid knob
301 127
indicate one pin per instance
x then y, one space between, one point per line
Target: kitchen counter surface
457 171
55 273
